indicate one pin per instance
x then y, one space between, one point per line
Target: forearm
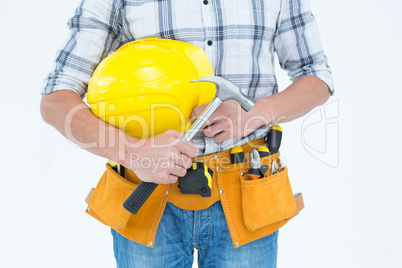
295 101
66 111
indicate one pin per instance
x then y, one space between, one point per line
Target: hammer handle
232 91
135 201
202 118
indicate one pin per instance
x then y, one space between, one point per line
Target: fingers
217 119
212 130
170 179
174 133
178 171
217 127
170 175
222 136
183 161
197 111
187 148
229 110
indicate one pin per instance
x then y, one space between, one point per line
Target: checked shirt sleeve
95 31
298 43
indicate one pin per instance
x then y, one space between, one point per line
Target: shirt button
205 2
209 43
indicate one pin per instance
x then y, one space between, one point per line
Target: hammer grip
135 201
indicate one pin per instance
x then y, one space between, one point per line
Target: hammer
225 90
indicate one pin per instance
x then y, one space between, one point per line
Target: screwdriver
274 139
237 155
263 151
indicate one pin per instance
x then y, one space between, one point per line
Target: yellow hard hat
144 87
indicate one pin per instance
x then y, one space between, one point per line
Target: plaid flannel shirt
240 38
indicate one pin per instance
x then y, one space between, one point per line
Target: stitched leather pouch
267 200
105 203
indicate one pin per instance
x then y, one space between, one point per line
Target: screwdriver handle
137 198
274 139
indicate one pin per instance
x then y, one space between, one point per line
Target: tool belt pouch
105 203
267 200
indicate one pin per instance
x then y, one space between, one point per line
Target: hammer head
228 90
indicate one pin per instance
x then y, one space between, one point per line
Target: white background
352 215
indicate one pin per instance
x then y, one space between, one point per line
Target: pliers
275 167
257 170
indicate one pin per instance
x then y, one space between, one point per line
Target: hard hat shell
144 87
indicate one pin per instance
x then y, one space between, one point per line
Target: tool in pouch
263 151
278 165
225 90
257 170
119 169
273 140
237 155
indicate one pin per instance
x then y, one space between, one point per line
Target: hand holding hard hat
144 89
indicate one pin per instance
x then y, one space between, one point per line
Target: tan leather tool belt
253 208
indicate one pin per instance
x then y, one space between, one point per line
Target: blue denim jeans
180 231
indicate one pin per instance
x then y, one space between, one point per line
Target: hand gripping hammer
225 90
